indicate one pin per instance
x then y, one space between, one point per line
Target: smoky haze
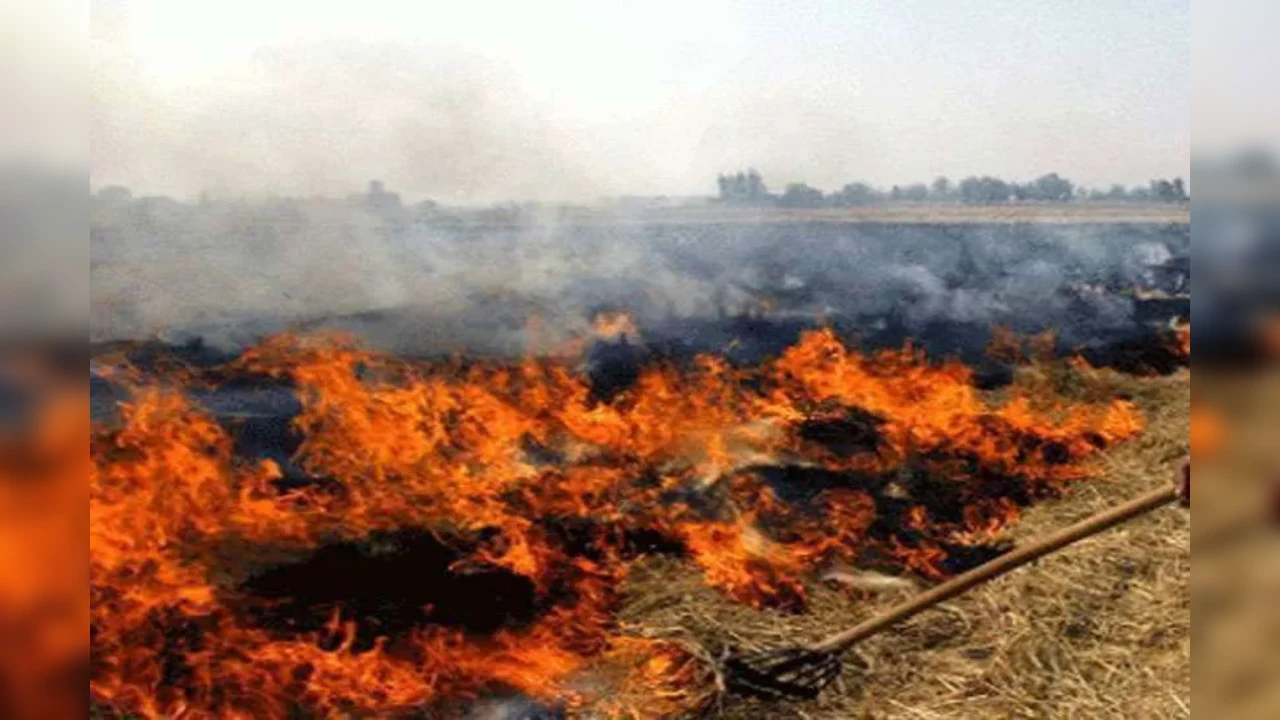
242 103
494 101
423 280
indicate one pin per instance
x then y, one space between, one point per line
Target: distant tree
997 190
799 195
1046 188
748 188
742 188
1139 193
941 188
1117 192
854 194
756 191
916 192
1169 191
1052 188
985 190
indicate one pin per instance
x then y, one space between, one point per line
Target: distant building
378 199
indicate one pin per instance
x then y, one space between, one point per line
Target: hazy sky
43 76
480 101
1234 101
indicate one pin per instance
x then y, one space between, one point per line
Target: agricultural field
1100 630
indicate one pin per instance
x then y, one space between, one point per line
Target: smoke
419 279
449 125
43 150
43 293
43 74
477 104
311 120
570 100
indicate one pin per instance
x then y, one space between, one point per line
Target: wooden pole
989 571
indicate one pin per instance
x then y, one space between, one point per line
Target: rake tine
805 671
799 662
794 672
816 672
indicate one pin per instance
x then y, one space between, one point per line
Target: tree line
748 188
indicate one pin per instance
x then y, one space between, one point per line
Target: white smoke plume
422 279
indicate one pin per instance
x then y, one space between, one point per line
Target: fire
44 611
1207 431
615 325
522 474
1183 334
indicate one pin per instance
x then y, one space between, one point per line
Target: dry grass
1100 630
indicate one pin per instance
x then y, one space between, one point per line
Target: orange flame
1183 335
525 473
1207 431
44 610
614 325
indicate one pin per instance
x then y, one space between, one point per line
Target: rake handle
999 566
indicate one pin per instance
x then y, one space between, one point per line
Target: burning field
499 495
487 539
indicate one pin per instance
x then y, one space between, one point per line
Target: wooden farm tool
803 671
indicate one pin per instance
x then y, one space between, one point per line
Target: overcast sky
480 101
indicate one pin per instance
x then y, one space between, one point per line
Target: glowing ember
614 326
1207 431
1270 335
520 471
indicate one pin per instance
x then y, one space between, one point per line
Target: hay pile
1100 630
